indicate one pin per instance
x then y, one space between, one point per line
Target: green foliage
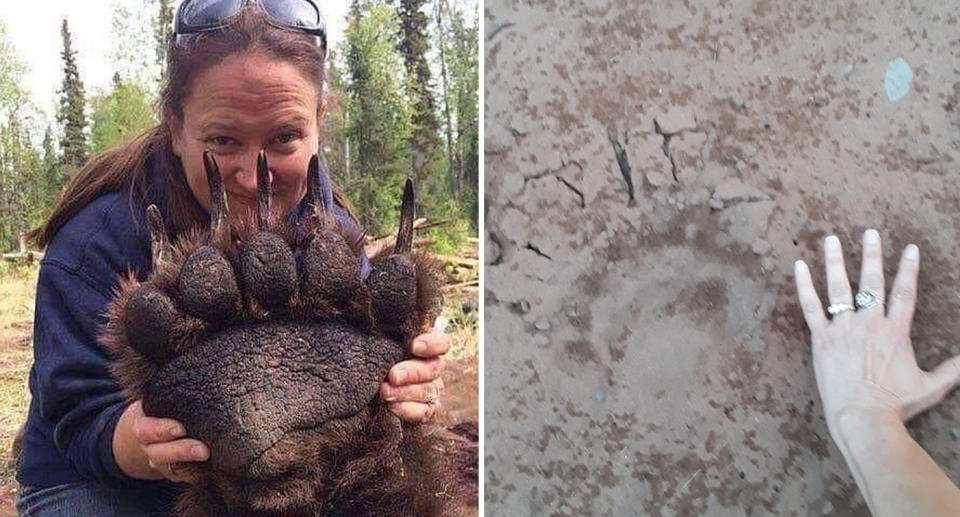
72 105
134 54
162 28
377 123
385 125
449 238
458 51
427 161
12 70
120 114
22 189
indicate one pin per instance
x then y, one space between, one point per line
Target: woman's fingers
423 392
809 299
871 273
415 371
430 345
414 412
903 295
152 430
838 286
946 376
178 451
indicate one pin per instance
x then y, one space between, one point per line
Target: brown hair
128 165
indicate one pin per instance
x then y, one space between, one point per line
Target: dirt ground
652 172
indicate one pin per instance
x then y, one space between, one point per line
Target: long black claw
263 190
159 242
218 196
319 192
407 213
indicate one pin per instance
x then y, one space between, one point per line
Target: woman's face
244 104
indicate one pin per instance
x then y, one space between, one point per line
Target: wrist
853 426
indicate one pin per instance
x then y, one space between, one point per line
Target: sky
35 32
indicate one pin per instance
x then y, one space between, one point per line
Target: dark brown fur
367 463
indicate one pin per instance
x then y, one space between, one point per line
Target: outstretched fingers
809 299
945 377
903 295
838 286
871 273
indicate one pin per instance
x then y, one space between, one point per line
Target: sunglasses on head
195 16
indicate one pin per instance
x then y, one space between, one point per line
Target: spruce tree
162 30
72 104
425 139
50 166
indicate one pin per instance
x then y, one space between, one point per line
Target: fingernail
198 452
401 376
176 431
912 252
799 266
390 395
419 347
871 236
832 242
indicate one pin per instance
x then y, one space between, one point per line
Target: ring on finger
837 308
866 299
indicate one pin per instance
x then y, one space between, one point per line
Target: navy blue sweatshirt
76 403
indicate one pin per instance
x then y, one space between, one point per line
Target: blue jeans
83 500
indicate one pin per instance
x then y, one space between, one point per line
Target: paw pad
266 343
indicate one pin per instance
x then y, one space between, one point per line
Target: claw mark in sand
583 204
666 147
624 164
496 30
555 172
536 250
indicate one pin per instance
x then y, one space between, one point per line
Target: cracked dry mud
652 173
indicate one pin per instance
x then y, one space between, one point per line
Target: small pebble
543 325
737 101
955 433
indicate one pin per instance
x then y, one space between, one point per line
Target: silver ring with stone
867 299
837 308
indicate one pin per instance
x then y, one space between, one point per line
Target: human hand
413 386
864 360
155 446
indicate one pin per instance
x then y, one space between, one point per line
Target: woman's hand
864 360
413 386
151 448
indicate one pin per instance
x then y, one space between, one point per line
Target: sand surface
652 172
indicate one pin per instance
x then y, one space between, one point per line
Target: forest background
403 100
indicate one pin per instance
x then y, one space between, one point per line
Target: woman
241 77
870 383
